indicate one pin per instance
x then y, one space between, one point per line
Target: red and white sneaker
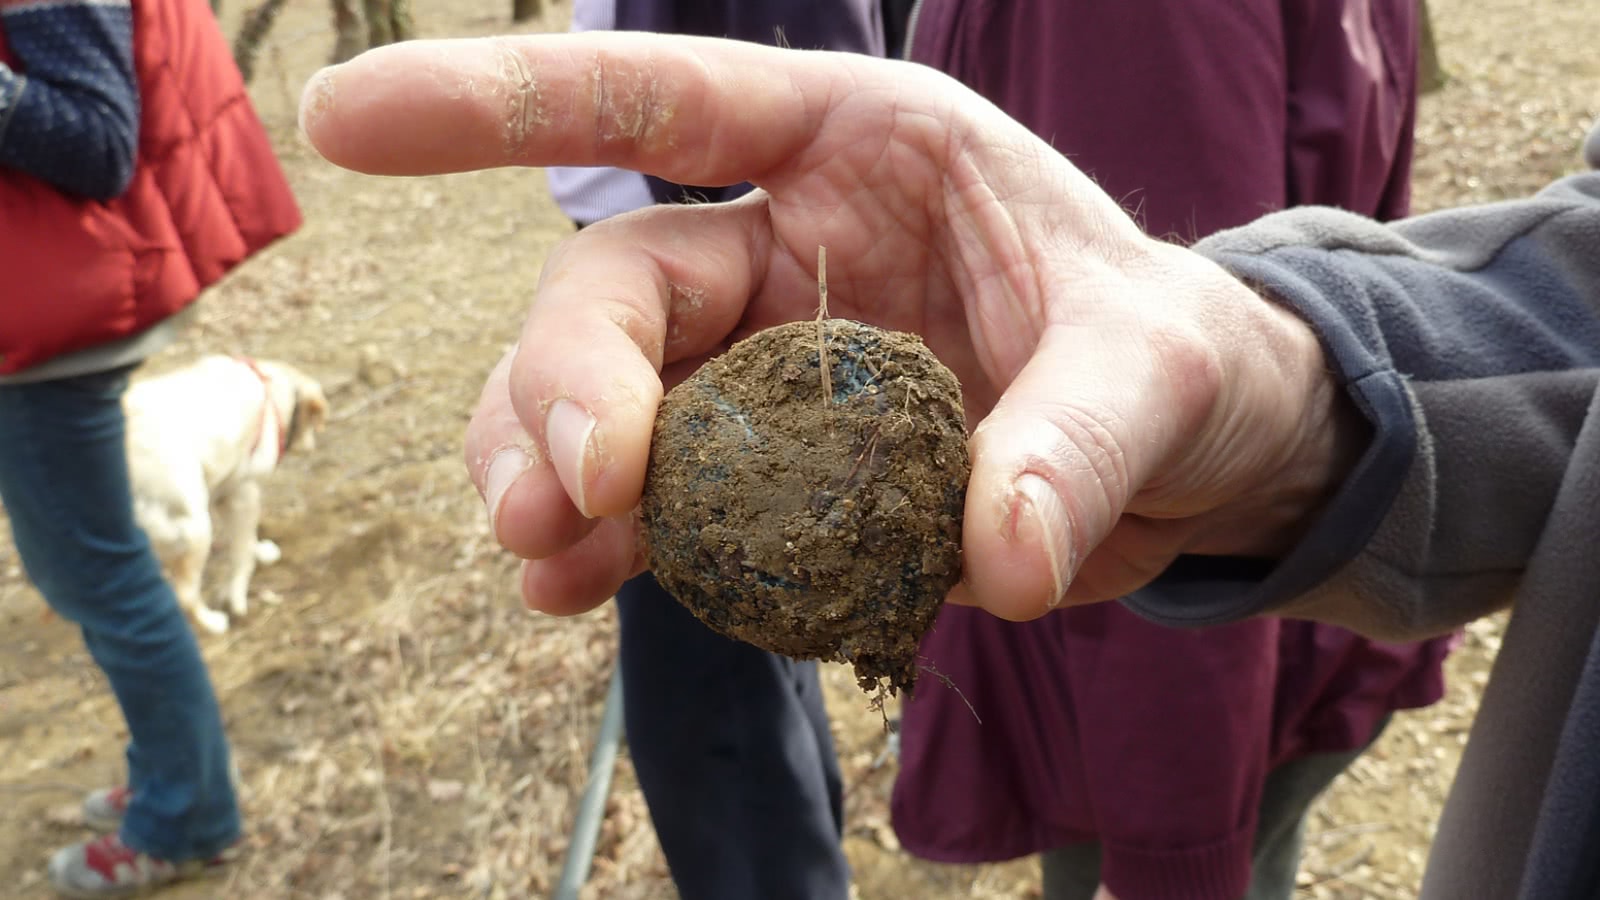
106 867
104 809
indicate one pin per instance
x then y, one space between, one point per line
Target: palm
1083 347
913 248
909 249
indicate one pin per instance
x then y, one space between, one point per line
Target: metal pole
591 807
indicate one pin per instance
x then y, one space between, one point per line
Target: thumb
1088 420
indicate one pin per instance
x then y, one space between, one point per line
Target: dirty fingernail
1044 508
569 432
505 467
316 98
960 595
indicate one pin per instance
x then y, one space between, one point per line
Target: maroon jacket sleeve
1091 725
1352 104
1176 730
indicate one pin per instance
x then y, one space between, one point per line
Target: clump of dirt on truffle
818 530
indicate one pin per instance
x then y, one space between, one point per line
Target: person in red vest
133 173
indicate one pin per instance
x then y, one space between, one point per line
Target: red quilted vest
206 193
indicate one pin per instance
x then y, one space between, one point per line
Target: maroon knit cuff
1219 871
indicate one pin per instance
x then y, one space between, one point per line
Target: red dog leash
267 406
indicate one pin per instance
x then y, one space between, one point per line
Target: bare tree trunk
388 21
380 30
351 38
252 31
523 10
1431 75
404 28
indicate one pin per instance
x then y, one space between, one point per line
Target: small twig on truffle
872 441
822 334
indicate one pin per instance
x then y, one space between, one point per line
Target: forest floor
403 727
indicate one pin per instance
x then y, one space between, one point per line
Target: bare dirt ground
403 727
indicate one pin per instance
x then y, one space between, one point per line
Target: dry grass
403 727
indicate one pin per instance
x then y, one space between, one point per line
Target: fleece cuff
1197 591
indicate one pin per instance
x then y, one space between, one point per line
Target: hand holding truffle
1131 400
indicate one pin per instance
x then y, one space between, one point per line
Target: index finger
692 110
615 303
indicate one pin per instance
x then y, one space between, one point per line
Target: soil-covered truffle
816 530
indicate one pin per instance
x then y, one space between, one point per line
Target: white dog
199 440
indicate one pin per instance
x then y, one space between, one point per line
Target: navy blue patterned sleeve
69 113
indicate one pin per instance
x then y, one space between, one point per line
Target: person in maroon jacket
1142 761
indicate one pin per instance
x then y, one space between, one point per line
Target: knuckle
1096 439
1186 362
524 112
631 107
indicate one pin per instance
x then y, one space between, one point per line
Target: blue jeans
64 483
733 752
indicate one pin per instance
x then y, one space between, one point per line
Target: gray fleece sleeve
1470 341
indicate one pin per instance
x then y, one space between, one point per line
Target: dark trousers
896 26
732 748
